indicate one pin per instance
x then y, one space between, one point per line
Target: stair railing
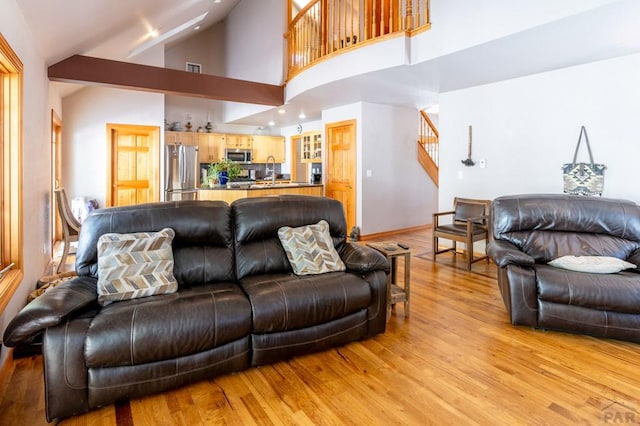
327 27
429 147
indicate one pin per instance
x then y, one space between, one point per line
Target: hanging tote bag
583 178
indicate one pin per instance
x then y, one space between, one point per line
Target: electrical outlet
482 163
369 173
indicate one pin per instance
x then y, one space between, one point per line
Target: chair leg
435 249
63 259
469 254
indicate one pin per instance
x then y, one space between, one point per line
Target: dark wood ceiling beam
105 72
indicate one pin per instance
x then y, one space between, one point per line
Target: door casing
115 133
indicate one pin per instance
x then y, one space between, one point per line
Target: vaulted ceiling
118 29
115 29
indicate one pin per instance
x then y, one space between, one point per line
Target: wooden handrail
429 147
327 27
432 126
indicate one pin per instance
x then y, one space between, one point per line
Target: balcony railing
328 27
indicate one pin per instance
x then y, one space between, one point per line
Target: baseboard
394 232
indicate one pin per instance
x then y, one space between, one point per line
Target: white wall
36 156
84 139
528 127
460 24
255 44
255 48
206 48
398 194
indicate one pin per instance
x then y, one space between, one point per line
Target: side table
395 293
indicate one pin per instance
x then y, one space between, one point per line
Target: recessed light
152 34
282 111
197 27
272 123
302 115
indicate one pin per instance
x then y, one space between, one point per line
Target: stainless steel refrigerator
181 171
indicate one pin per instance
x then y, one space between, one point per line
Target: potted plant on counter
224 170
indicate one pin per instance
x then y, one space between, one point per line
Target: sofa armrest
51 308
360 258
504 253
634 258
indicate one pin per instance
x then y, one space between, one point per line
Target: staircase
429 147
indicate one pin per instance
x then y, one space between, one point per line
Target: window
10 172
195 68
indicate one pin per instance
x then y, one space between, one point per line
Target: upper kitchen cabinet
311 147
210 147
233 141
184 138
264 146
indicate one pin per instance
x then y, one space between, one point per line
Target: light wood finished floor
456 360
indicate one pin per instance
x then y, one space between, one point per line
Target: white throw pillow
310 249
135 265
592 264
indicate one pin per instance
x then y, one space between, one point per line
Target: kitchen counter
259 190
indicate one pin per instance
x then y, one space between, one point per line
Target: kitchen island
231 194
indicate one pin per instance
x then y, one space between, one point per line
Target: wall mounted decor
469 162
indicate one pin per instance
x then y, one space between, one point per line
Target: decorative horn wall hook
469 162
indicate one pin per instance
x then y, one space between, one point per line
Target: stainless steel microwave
242 156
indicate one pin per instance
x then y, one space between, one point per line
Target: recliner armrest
635 258
504 253
51 308
359 258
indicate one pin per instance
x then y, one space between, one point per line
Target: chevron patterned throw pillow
310 249
135 265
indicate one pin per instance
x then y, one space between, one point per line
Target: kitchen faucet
273 170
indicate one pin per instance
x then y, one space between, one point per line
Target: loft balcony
325 28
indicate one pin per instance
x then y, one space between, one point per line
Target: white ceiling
112 28
66 27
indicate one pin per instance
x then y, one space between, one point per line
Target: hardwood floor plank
456 360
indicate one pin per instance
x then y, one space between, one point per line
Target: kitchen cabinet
264 146
311 147
233 141
210 147
184 138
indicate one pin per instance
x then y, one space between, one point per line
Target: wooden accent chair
470 223
70 225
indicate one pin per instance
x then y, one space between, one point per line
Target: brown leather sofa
238 303
531 230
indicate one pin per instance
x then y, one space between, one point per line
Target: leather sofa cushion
169 326
545 246
202 246
568 213
284 302
612 292
257 219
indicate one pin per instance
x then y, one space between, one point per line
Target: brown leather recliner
238 303
531 230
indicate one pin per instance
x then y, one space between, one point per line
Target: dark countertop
258 187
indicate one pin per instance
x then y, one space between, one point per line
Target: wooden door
56 177
298 168
134 164
340 181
